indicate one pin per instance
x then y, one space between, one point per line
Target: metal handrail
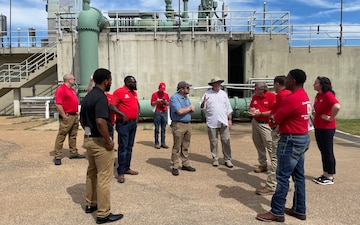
17 72
235 21
27 38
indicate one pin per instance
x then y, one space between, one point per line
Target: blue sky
31 13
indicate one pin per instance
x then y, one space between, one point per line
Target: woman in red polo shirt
326 108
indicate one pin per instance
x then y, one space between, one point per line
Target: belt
181 122
71 114
120 121
91 136
288 134
263 122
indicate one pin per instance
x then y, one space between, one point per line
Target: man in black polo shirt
95 119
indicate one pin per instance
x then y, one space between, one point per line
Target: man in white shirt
218 112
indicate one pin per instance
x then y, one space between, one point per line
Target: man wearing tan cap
180 114
218 113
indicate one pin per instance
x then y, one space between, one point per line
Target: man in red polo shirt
282 93
293 120
126 106
66 103
260 108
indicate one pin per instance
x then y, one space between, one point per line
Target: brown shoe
132 172
264 191
164 146
268 217
261 169
121 178
290 212
157 146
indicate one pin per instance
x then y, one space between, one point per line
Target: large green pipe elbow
90 23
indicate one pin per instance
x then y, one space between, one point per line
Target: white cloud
25 16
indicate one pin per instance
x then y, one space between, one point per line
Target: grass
351 126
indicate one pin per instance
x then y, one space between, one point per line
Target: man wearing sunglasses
180 114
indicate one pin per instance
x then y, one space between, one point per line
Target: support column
17 97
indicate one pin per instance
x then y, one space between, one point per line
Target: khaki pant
69 126
99 175
271 179
224 132
261 135
181 137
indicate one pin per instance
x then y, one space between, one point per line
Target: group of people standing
279 128
218 112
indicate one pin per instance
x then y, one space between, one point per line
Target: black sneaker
323 180
188 168
57 162
77 156
175 172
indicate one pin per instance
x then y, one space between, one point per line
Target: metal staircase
28 72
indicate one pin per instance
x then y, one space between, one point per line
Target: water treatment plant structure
239 46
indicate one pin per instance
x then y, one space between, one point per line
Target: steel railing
231 21
17 72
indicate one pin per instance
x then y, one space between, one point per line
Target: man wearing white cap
218 113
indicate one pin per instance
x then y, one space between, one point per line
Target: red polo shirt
281 95
263 104
293 115
323 105
112 114
160 107
127 102
66 96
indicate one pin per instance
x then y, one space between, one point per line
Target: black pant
325 142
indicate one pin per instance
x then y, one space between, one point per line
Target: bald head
68 76
69 79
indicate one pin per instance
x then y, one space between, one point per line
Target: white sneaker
229 164
216 163
324 180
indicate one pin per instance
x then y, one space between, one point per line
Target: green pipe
90 23
239 106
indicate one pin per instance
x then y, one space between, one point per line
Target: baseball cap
183 84
162 86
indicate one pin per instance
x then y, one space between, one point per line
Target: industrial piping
90 23
239 106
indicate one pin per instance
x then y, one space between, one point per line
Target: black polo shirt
95 105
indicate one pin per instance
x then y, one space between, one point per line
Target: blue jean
291 155
160 122
126 137
325 143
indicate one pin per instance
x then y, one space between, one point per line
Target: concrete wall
198 59
164 59
271 57
152 61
